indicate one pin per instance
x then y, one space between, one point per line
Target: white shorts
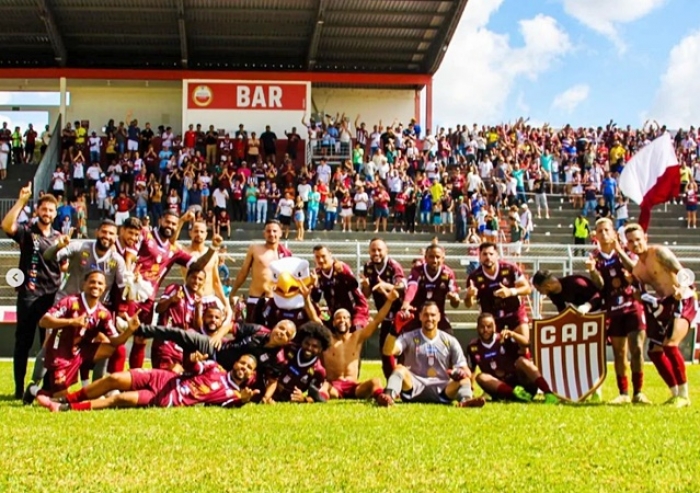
132 145
120 217
447 218
426 389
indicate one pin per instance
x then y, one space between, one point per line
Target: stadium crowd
488 181
299 335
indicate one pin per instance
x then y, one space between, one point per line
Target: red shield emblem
569 350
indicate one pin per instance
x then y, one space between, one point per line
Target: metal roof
383 36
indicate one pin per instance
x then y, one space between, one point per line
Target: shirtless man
213 291
342 358
669 313
259 258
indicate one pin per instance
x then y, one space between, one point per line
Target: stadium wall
159 106
371 104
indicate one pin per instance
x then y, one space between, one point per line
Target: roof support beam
182 31
442 40
316 36
46 15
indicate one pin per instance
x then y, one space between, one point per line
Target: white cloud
570 99
677 102
606 16
481 66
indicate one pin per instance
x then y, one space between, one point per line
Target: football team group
89 298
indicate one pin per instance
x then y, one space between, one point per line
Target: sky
581 62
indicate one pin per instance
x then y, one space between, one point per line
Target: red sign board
246 96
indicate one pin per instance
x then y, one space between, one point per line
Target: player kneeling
505 374
435 369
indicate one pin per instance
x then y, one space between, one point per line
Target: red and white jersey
431 287
156 257
65 343
181 313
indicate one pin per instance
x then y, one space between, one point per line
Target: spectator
581 233
299 218
285 210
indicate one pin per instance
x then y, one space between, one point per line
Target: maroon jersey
123 249
180 313
210 385
273 314
617 292
496 358
576 290
390 271
506 274
340 289
433 288
297 374
156 257
65 343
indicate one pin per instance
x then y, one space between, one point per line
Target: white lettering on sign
260 98
568 332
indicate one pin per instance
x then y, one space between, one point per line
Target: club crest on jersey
569 350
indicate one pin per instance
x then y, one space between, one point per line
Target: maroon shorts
345 388
623 324
512 321
660 320
153 386
165 354
64 372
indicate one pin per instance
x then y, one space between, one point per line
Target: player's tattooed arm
668 260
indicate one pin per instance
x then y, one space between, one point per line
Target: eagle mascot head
289 275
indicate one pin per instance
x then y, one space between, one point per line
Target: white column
62 110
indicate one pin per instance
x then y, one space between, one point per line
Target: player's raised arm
63 242
202 261
9 222
374 324
627 261
243 273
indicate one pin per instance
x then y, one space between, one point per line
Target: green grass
354 446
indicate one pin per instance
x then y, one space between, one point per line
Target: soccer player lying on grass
434 370
82 332
342 358
262 343
505 374
209 384
300 371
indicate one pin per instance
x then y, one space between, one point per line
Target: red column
416 106
428 106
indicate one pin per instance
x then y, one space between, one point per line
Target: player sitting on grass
300 371
505 374
209 384
434 370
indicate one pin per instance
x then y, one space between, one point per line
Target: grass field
354 446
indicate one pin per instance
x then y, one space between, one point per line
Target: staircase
668 225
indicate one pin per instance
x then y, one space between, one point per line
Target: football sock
673 353
543 385
504 390
376 393
622 385
393 384
39 370
388 364
81 406
99 370
118 360
77 396
137 355
683 390
637 381
663 366
465 392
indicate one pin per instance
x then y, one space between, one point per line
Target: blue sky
572 61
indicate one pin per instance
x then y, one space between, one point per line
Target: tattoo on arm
667 259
